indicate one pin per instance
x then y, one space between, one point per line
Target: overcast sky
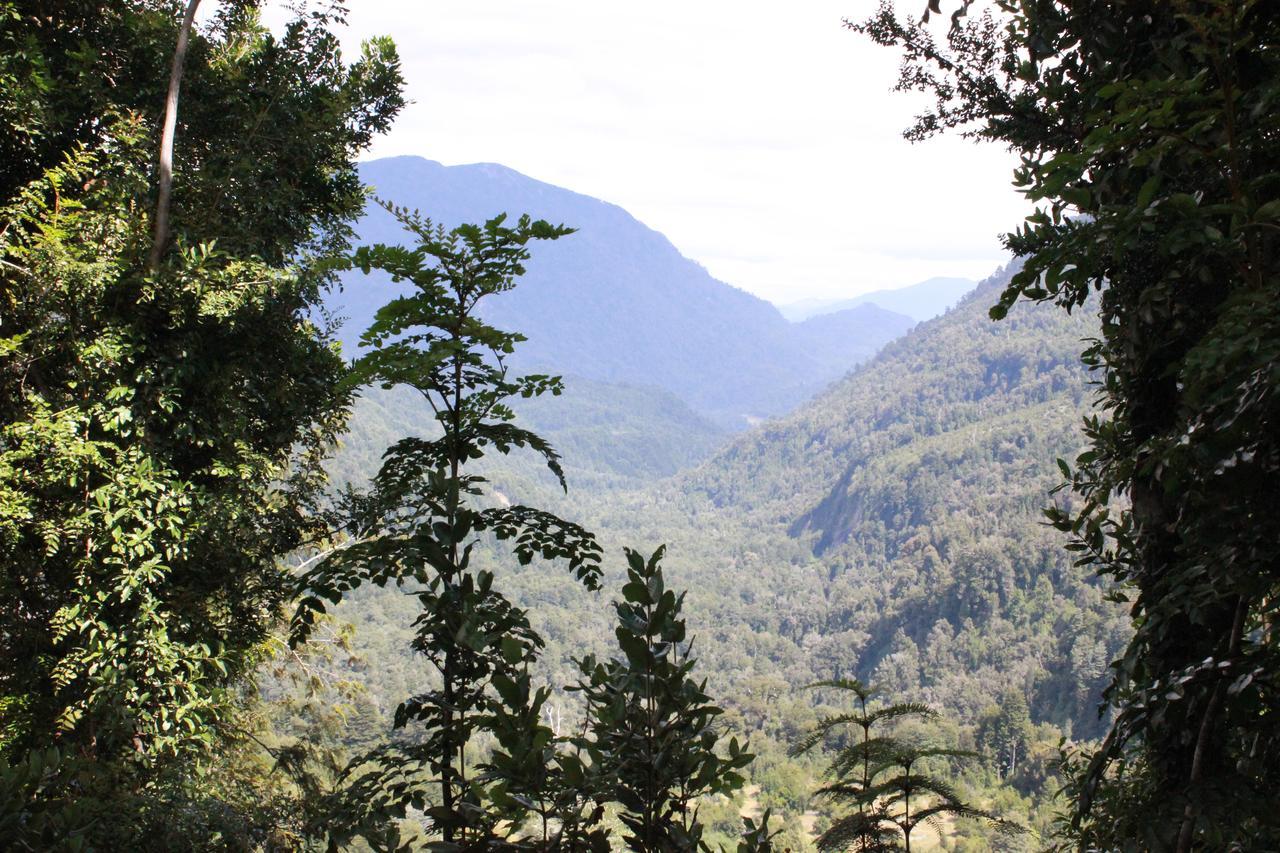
760 137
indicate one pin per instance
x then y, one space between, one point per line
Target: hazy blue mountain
616 302
922 301
859 331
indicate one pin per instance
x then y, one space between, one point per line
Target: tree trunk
160 235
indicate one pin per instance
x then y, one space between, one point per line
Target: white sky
760 137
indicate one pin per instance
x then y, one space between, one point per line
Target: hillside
609 435
890 528
616 302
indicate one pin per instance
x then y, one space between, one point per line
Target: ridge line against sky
763 140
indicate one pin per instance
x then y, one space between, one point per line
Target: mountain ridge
616 302
921 301
891 527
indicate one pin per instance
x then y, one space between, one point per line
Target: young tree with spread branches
879 775
423 517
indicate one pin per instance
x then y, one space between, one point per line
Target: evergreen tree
878 775
1004 731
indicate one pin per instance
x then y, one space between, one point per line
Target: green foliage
160 431
419 525
36 811
269 127
1147 134
1004 733
928 469
756 836
539 771
652 729
879 775
133 459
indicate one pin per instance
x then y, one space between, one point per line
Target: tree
420 524
160 430
538 771
878 774
1148 138
652 727
1004 732
268 130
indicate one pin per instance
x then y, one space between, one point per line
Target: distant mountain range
920 302
616 302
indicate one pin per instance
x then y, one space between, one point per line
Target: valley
680 462
889 528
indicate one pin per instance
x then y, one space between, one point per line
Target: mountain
616 302
859 331
609 435
922 301
891 528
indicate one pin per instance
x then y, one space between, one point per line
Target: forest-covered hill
913 491
610 435
616 302
890 528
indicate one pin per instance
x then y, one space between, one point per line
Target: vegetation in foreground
167 405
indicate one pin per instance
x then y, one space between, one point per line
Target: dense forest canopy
162 426
270 583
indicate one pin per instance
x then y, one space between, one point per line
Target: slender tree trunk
160 234
651 817
453 759
446 775
866 767
906 820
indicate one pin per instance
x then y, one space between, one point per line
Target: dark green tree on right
1150 139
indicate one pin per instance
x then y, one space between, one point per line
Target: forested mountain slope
910 496
890 528
610 435
616 302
